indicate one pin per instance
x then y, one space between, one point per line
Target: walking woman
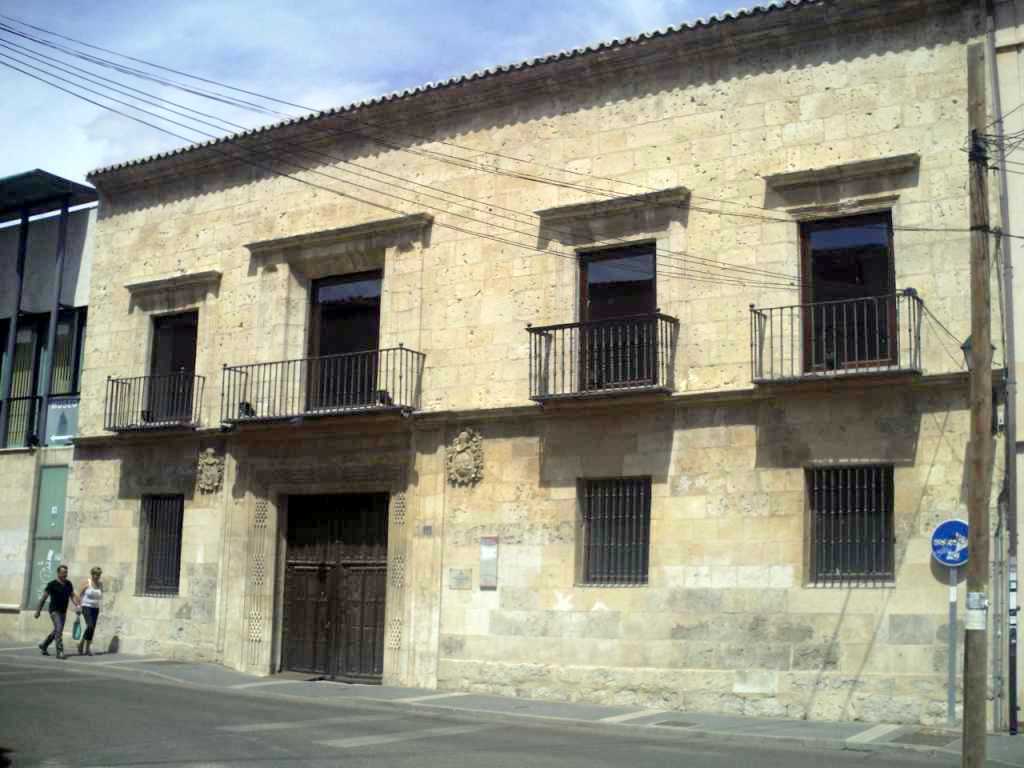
60 592
91 596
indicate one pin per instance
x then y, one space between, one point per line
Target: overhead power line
242 156
487 208
635 62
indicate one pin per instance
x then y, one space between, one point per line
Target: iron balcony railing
154 402
375 380
836 338
603 356
22 418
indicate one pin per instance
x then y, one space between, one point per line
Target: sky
317 53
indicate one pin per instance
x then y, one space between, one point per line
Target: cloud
320 53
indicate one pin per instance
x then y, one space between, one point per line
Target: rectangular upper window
614 531
851 524
618 282
160 544
849 293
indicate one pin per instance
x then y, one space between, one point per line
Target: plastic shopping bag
76 631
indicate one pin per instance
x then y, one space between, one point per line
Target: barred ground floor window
160 544
615 531
851 524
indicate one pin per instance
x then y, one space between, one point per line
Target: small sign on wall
489 563
460 578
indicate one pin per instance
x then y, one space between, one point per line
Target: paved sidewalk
868 737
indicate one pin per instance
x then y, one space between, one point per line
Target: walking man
59 591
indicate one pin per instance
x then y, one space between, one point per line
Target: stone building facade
470 450
37 421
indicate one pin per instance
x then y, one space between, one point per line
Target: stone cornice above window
373 234
674 197
208 279
843 172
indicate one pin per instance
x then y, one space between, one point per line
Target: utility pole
981 449
1010 356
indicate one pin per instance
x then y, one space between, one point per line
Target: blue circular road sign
949 543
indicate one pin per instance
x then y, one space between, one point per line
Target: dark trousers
58 620
91 616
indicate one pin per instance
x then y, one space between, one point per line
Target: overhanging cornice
674 197
208 279
414 224
831 174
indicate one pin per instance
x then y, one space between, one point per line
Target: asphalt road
55 714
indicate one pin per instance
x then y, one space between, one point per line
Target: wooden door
307 619
335 585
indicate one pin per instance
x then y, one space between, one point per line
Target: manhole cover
925 739
676 724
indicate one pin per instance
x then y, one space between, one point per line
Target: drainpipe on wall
7 375
1010 359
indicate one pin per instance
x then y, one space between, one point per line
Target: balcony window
621 343
345 320
848 270
173 367
851 320
617 284
172 394
345 372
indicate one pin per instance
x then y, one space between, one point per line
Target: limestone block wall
17 515
717 124
728 621
103 528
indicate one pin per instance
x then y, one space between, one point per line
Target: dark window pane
615 529
851 512
850 258
174 343
618 283
345 320
160 559
851 319
362 289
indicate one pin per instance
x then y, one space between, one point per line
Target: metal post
981 450
951 685
7 375
1009 318
46 369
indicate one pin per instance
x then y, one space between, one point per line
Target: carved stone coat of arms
466 458
210 471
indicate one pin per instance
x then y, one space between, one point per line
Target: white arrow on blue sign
949 543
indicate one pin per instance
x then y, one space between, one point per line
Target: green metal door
48 543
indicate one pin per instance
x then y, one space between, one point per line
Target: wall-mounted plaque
460 578
489 562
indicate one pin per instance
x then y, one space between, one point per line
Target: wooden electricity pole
979 471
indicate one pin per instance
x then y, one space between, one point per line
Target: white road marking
266 682
625 718
430 697
295 724
127 661
34 681
873 734
394 738
22 648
